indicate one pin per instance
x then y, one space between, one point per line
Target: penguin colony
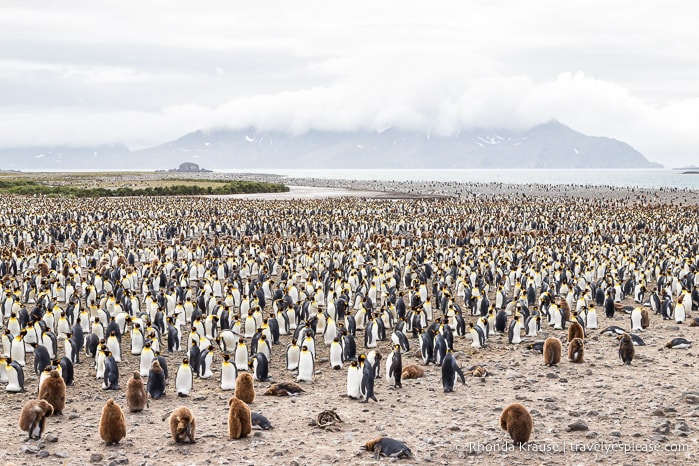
214 288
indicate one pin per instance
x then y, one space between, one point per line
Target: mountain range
549 145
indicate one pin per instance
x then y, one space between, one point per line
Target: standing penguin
239 419
156 381
449 372
229 373
576 350
112 423
136 339
680 311
514 333
293 353
15 376
114 345
111 372
184 379
206 359
477 335
136 396
552 351
259 364
394 367
336 354
241 355
53 390
32 418
41 358
575 330
306 366
244 388
367 382
626 349
636 318
516 420
354 380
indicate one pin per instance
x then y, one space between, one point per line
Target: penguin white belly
183 382
229 375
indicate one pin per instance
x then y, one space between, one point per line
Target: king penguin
306 365
184 379
336 354
229 373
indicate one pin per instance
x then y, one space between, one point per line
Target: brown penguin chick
239 419
53 390
182 425
575 330
626 348
645 318
136 397
478 371
576 350
413 371
112 423
32 418
552 351
516 420
283 389
244 389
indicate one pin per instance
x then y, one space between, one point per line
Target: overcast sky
145 72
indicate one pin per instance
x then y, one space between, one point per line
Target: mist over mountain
549 145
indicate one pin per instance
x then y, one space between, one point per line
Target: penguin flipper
461 374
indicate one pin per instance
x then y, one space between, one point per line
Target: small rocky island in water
189 167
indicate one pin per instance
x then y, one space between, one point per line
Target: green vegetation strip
230 187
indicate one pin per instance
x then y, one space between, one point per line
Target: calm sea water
662 178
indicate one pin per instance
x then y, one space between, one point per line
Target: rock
577 426
682 427
591 435
30 449
563 380
691 399
659 412
662 427
43 454
427 458
96 457
51 438
615 433
73 416
61 454
551 375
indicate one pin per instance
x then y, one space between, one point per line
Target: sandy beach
599 411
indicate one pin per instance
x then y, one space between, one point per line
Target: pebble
551 375
615 433
43 454
51 438
578 425
96 457
61 454
29 449
591 435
